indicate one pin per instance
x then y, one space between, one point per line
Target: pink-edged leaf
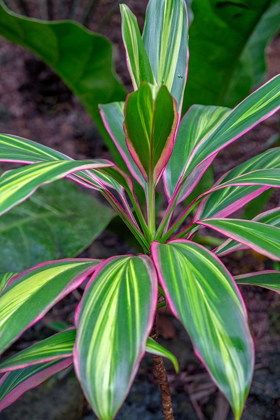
150 128
226 201
165 36
113 321
198 122
270 217
4 278
14 384
261 237
261 104
20 150
58 346
264 177
113 119
138 63
18 184
203 296
28 296
268 279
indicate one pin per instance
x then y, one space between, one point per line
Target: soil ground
35 104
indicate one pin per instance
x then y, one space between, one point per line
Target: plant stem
162 381
140 216
151 208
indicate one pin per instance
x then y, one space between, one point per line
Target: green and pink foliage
115 316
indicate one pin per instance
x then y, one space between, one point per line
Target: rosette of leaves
114 320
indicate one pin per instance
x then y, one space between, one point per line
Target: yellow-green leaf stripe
204 297
165 37
28 296
137 60
113 323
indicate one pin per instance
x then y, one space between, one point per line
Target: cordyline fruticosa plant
114 322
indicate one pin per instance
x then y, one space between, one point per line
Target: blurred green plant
227 45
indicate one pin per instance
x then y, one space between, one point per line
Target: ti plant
115 320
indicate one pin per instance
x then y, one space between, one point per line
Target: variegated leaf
17 149
14 384
203 296
150 128
261 104
113 119
165 37
270 217
268 279
262 177
198 122
263 238
29 295
113 323
4 278
18 184
226 201
58 346
153 347
136 56
20 150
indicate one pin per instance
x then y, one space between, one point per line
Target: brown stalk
162 381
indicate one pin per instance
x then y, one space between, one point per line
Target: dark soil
35 104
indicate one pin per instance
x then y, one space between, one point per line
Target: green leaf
29 296
14 384
113 119
198 122
203 296
150 127
57 346
251 67
264 32
153 347
137 60
263 238
221 37
224 202
270 217
165 37
18 184
4 278
113 323
83 59
267 279
58 221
